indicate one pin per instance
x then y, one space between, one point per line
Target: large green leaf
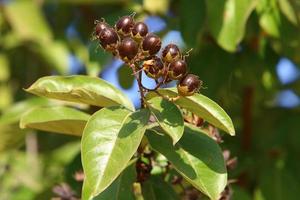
156 188
110 138
80 89
227 20
122 187
55 119
168 116
197 157
201 106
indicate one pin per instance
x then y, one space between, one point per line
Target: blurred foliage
236 47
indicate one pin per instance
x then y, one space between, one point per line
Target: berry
100 26
139 30
128 49
177 69
170 53
188 85
124 25
153 67
109 39
151 44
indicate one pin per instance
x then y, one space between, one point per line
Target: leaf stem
138 76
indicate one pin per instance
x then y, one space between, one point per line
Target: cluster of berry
132 42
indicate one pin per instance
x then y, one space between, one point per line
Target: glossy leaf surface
110 138
196 157
168 116
80 89
227 20
203 107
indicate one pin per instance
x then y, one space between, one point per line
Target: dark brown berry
151 44
109 39
188 85
124 25
139 30
100 26
128 49
153 67
177 69
171 53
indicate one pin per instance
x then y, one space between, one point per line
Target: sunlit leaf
55 119
110 138
202 107
197 157
287 9
227 20
168 116
269 17
80 89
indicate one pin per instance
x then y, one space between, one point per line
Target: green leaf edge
24 123
160 124
226 124
128 104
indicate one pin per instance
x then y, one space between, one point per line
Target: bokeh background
247 52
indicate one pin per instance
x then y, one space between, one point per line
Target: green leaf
269 17
227 20
80 89
201 106
110 138
197 157
156 188
55 119
168 116
191 20
13 114
287 9
122 187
